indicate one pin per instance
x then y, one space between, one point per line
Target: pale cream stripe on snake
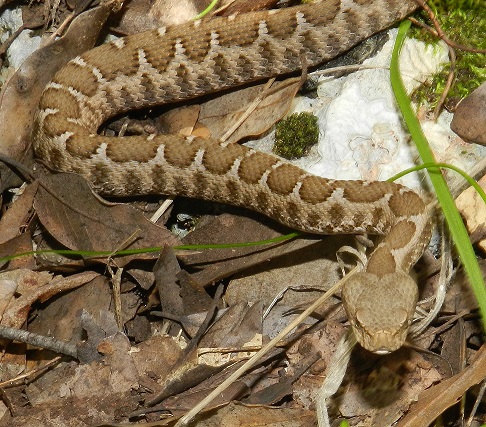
181 62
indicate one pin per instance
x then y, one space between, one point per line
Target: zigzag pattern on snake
182 62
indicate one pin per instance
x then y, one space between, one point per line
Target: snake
177 63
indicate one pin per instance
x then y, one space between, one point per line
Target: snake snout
385 338
384 342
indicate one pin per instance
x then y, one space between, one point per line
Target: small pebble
469 120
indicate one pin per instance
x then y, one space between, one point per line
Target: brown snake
182 62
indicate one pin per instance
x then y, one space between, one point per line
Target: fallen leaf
473 210
18 214
220 113
434 401
76 218
237 414
36 286
61 318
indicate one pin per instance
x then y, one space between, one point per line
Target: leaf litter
183 320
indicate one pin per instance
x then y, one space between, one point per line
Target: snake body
182 62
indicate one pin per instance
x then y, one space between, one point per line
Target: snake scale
181 62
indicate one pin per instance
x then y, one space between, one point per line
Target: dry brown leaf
216 264
213 118
453 339
71 412
242 6
17 216
305 273
473 211
36 286
114 375
185 374
182 403
180 120
71 395
283 385
239 327
235 414
139 15
322 341
221 113
18 245
61 317
15 232
200 364
26 287
148 355
79 221
434 401
165 270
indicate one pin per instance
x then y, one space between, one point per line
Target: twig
37 340
447 87
14 381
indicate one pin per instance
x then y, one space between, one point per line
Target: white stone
24 44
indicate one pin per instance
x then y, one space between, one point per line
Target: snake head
380 309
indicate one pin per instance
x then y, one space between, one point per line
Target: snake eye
401 316
361 316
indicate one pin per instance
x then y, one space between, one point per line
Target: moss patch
464 22
295 135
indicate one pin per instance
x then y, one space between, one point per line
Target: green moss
295 135
464 22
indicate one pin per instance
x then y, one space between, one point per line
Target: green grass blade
434 167
104 254
453 219
208 9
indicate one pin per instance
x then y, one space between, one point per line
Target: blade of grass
453 219
102 254
434 166
208 9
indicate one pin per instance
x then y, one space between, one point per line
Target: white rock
24 44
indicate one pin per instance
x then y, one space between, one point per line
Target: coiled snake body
181 62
